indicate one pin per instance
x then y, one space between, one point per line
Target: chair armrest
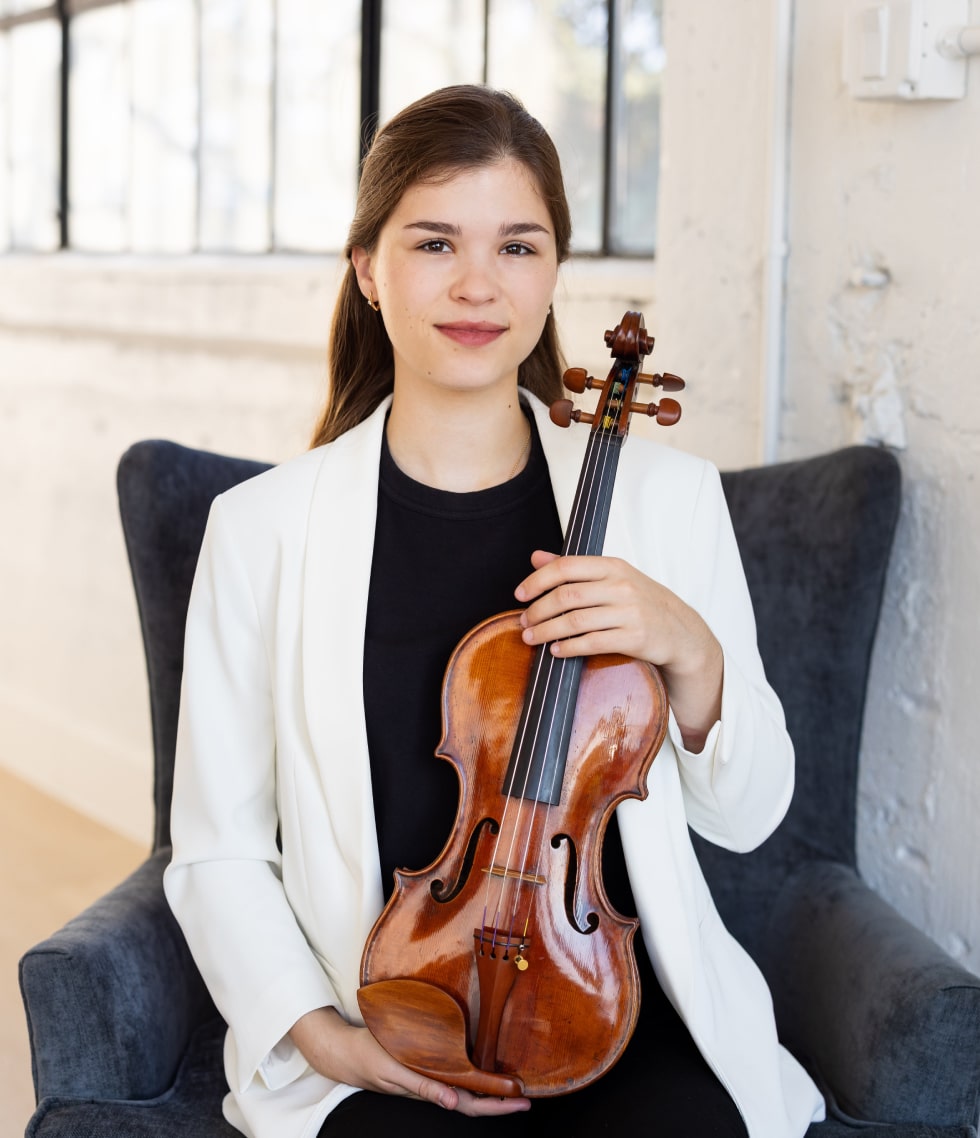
113 998
887 1022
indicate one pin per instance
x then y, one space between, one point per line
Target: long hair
453 129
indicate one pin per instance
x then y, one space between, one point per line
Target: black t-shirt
442 563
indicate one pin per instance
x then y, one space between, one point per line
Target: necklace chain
520 458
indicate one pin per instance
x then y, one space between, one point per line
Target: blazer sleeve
224 883
738 788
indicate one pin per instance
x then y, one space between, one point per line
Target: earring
375 304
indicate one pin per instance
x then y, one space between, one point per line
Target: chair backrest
165 493
815 538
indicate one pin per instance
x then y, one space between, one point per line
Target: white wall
96 353
883 343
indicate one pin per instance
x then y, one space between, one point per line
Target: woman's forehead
499 193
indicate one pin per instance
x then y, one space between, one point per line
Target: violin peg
667 381
668 412
577 379
562 412
609 335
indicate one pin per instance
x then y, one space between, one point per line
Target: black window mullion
370 71
64 141
609 128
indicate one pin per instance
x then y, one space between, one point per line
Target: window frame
371 64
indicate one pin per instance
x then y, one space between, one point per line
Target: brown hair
453 129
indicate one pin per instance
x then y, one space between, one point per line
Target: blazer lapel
340 543
564 448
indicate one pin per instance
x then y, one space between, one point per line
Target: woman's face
465 271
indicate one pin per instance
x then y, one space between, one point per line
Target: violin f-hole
571 887
437 889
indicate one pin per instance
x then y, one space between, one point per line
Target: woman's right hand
348 1054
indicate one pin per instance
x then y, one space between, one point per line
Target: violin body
502 967
569 1013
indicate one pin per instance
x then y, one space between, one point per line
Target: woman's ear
360 258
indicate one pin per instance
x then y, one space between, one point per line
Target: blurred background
788 191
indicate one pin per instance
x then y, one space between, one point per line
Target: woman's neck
459 442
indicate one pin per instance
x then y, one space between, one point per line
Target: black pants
661 1087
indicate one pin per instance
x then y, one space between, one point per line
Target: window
175 126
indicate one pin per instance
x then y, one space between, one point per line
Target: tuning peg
667 381
577 379
563 413
666 412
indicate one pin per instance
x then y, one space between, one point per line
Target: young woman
329 596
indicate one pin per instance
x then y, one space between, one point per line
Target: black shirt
442 563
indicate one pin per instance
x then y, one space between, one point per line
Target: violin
502 968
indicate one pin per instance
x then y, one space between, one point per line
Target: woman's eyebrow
443 227
508 229
516 228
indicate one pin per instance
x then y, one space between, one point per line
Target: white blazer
272 737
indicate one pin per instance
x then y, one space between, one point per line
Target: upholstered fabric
885 1020
98 990
124 1038
815 537
165 492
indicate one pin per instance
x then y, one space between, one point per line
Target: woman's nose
475 281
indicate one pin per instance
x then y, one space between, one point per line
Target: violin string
589 513
546 666
510 797
549 671
597 464
599 457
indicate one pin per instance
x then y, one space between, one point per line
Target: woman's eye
517 248
436 245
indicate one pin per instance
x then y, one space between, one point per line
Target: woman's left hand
589 605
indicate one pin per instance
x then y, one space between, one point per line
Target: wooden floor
54 863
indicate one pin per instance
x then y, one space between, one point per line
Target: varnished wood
557 1032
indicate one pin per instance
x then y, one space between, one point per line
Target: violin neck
537 765
590 510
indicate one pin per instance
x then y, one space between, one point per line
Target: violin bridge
515 875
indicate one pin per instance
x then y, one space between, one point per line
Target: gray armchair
126 1042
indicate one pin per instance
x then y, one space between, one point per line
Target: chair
126 1042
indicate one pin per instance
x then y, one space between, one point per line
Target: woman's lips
472 335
